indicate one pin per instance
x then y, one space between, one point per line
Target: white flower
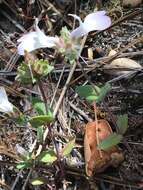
5 105
35 40
93 21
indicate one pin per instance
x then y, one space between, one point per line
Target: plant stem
68 79
43 94
96 126
49 130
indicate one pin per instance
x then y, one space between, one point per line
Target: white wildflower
5 105
35 40
94 21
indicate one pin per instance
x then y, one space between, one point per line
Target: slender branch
69 79
96 127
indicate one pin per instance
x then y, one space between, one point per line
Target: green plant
32 72
96 94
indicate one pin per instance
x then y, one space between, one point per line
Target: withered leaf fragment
97 161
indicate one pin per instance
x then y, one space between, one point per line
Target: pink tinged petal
27 42
97 21
5 105
79 32
35 40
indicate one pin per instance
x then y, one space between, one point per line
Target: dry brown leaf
6 150
121 66
132 3
94 161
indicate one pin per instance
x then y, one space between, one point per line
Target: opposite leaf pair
37 39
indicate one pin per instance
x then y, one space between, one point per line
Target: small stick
16 179
27 179
80 111
55 92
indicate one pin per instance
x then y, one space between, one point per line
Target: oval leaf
113 140
38 181
68 148
103 91
93 93
24 165
39 106
122 123
88 92
40 120
48 157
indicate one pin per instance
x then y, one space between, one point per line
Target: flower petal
5 105
27 42
35 40
78 32
96 21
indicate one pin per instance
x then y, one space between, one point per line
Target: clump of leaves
67 46
33 71
50 156
94 93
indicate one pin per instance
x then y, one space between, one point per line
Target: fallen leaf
132 3
7 150
94 161
68 147
121 66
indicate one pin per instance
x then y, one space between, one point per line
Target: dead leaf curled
93 160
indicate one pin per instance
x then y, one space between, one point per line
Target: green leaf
24 165
48 156
20 120
42 68
25 74
103 91
40 120
88 92
68 147
113 140
39 106
65 34
31 72
40 133
93 93
122 123
38 181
